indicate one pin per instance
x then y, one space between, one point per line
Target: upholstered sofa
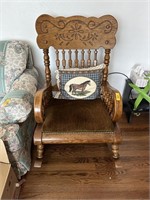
18 84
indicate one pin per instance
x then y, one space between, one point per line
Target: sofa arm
15 107
17 104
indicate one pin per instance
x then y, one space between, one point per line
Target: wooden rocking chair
87 108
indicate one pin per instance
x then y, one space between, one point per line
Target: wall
18 22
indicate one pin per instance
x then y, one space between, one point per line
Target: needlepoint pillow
79 83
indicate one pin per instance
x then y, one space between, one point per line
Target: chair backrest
77 41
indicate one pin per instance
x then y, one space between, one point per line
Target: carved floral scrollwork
87 31
45 25
83 32
76 32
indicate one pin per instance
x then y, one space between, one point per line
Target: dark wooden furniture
129 100
78 42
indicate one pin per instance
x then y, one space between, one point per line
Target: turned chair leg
38 161
115 150
40 150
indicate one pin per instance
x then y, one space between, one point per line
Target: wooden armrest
113 101
41 100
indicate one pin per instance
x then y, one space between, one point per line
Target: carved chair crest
76 32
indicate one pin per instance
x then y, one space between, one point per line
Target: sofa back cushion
13 61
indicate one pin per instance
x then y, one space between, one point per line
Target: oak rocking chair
80 106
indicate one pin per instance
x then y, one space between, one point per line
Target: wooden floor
89 172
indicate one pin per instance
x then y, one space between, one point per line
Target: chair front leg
115 150
40 150
39 155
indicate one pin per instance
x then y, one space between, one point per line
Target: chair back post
47 67
106 62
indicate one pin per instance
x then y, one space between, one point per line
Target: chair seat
77 116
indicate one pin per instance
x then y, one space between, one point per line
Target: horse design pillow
79 83
78 89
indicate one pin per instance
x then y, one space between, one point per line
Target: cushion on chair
77 116
80 83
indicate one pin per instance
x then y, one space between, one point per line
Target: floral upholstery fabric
17 139
13 61
17 103
18 85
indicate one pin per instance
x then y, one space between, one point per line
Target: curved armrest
41 101
113 101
